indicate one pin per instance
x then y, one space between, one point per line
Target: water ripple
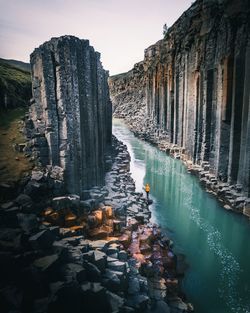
229 275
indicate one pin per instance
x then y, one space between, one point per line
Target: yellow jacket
147 188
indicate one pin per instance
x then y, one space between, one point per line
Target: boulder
10 216
10 239
176 304
57 173
36 190
100 260
92 271
99 233
28 222
40 305
111 281
112 249
123 256
61 247
133 285
75 255
68 298
95 298
73 271
7 205
7 190
42 240
37 175
25 202
47 263
117 266
65 202
11 299
98 244
88 256
159 307
138 301
73 241
115 302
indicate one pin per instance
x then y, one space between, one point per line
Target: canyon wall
71 110
194 89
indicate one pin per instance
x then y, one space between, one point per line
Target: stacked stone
95 255
71 110
196 85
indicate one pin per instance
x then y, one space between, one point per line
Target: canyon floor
60 254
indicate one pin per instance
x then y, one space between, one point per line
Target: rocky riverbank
230 196
100 254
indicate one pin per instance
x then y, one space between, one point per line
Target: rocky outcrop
128 94
193 88
71 111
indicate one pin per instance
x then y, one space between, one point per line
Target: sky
119 30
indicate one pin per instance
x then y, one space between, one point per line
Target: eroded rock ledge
71 111
190 96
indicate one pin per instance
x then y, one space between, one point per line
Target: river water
214 241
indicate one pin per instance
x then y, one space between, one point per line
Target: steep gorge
192 91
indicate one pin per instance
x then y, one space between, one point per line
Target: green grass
13 164
10 73
15 86
7 117
18 64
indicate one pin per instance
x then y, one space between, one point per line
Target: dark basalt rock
190 94
71 114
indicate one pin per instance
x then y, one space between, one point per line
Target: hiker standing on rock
147 189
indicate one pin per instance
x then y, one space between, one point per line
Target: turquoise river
216 242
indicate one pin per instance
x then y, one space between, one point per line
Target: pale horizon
119 30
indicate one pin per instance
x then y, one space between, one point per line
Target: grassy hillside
18 64
15 86
13 163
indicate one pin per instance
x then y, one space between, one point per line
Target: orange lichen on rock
70 219
55 219
139 258
47 211
98 214
100 232
125 239
108 211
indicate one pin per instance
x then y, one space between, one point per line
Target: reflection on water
216 242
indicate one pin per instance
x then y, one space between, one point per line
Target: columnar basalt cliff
195 87
71 110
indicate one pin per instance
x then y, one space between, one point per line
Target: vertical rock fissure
236 118
196 130
56 107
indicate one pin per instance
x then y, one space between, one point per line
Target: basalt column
196 84
72 110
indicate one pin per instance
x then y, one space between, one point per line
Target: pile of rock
100 254
230 196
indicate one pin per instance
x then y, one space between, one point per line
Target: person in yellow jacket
147 189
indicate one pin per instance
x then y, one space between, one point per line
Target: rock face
193 89
71 110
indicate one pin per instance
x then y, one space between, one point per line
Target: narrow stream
216 242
